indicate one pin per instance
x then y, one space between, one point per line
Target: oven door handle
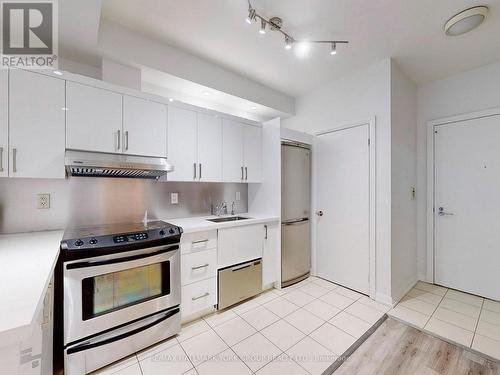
95 344
86 264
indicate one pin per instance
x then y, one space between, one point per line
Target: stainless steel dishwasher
240 282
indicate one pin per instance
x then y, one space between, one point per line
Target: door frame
431 174
371 122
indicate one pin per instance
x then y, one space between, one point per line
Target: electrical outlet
238 196
174 198
43 201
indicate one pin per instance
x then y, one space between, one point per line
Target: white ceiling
410 31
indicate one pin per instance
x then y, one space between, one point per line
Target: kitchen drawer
198 266
198 296
198 241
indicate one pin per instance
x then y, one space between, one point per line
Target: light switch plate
238 196
43 201
174 198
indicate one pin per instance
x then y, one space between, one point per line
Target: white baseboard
383 298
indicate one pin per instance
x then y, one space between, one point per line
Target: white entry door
342 194
467 206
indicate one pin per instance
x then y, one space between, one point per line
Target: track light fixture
275 24
251 15
334 49
262 26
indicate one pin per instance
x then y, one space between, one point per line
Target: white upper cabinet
93 119
36 125
252 153
4 122
144 127
182 153
241 152
232 151
209 147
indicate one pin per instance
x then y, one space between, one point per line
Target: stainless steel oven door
104 292
91 354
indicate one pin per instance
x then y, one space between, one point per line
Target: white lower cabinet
198 266
198 297
239 244
271 255
198 241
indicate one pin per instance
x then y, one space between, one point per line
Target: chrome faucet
221 209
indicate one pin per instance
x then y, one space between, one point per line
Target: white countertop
27 261
197 224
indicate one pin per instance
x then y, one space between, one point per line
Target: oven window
109 292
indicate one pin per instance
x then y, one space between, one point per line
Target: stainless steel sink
224 219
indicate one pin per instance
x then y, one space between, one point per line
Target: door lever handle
442 213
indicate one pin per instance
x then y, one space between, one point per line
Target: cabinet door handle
242 173
265 237
202 296
200 267
118 139
200 241
1 159
14 160
194 169
126 140
199 177
246 173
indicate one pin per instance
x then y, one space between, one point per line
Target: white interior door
467 186
342 194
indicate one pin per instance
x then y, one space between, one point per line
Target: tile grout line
437 306
477 324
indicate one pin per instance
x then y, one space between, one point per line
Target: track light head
251 15
288 42
263 24
334 49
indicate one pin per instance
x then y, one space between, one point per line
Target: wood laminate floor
395 348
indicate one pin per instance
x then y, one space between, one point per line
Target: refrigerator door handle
295 221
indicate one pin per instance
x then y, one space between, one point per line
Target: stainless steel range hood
96 164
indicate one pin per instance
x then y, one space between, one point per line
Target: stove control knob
78 243
171 231
93 241
162 232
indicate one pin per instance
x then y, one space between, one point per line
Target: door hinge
368 141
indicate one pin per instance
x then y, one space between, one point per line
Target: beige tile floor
458 317
302 329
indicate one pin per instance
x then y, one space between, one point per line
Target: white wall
265 198
404 177
466 92
80 68
122 75
352 99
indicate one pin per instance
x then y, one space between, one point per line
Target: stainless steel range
120 292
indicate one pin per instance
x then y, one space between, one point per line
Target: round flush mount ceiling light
465 21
